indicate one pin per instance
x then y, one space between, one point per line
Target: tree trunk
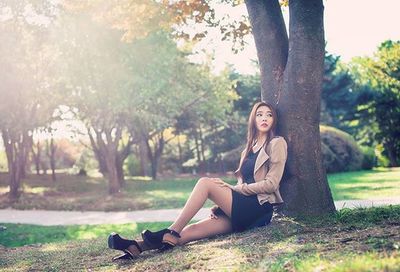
119 164
155 155
153 160
304 186
121 157
26 146
271 41
51 153
107 146
36 156
98 154
389 146
196 142
14 147
143 156
202 151
112 174
180 154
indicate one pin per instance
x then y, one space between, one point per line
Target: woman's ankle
145 246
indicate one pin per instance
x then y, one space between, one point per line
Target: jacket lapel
261 158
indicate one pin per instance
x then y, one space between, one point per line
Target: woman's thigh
221 196
205 228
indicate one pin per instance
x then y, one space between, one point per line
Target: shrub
132 165
369 158
340 151
86 161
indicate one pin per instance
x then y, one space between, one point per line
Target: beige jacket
268 171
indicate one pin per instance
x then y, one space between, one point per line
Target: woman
259 173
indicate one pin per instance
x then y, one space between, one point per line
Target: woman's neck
261 139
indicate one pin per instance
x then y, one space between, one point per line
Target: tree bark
271 41
155 155
51 153
202 151
391 150
304 186
180 154
108 150
36 156
15 151
143 156
121 157
26 146
98 154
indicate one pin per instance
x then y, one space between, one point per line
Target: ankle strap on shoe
174 233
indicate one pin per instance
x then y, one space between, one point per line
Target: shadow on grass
366 235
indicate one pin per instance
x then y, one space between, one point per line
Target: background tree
338 98
27 63
96 75
295 91
379 79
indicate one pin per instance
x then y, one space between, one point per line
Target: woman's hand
213 209
221 183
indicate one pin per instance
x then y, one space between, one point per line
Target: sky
352 28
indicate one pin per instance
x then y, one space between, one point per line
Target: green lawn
350 240
23 234
88 193
379 183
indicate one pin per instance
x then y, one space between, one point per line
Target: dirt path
51 218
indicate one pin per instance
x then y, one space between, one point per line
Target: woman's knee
204 181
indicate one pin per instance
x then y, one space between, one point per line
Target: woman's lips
264 125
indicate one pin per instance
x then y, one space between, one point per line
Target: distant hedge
340 151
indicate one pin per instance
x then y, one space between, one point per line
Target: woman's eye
258 114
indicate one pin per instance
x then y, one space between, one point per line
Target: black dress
246 210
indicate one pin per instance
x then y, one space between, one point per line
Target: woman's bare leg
205 228
204 189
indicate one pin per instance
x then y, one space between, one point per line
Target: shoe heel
169 241
111 241
166 246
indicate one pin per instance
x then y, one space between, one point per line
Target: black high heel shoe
117 242
157 240
125 256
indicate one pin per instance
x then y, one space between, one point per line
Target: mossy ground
357 240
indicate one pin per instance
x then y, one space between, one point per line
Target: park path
52 218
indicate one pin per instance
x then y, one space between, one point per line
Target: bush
339 150
86 161
132 165
383 160
3 162
369 159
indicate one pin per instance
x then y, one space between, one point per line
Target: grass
355 240
373 184
89 193
23 234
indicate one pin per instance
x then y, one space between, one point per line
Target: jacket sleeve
272 179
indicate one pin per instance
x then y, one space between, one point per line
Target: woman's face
264 119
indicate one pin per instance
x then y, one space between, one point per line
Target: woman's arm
271 181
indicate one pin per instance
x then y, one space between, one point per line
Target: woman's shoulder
278 147
278 140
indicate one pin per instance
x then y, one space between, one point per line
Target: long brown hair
252 129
